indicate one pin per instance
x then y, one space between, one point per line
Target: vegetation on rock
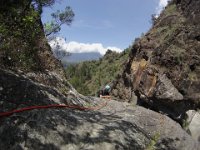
23 42
59 18
169 82
89 76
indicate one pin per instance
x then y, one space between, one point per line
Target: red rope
8 113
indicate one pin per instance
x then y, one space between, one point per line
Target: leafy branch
59 18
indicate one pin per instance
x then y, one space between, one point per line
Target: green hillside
89 76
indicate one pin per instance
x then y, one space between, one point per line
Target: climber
106 90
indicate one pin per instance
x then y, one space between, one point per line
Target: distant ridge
79 57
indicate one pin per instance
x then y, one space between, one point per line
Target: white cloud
76 47
161 6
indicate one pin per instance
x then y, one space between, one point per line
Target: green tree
59 18
23 43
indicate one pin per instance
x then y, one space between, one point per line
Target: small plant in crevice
153 142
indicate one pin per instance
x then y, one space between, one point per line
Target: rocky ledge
117 125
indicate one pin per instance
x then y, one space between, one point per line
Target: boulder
118 125
166 90
193 124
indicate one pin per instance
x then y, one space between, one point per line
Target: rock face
18 89
192 124
164 67
28 89
116 126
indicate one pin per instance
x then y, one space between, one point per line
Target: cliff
163 71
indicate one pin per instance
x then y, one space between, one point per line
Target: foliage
168 25
78 76
59 52
39 4
185 124
59 18
154 140
153 19
21 33
19 27
88 77
170 10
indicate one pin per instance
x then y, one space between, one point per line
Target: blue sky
102 24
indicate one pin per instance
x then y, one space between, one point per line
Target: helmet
107 87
